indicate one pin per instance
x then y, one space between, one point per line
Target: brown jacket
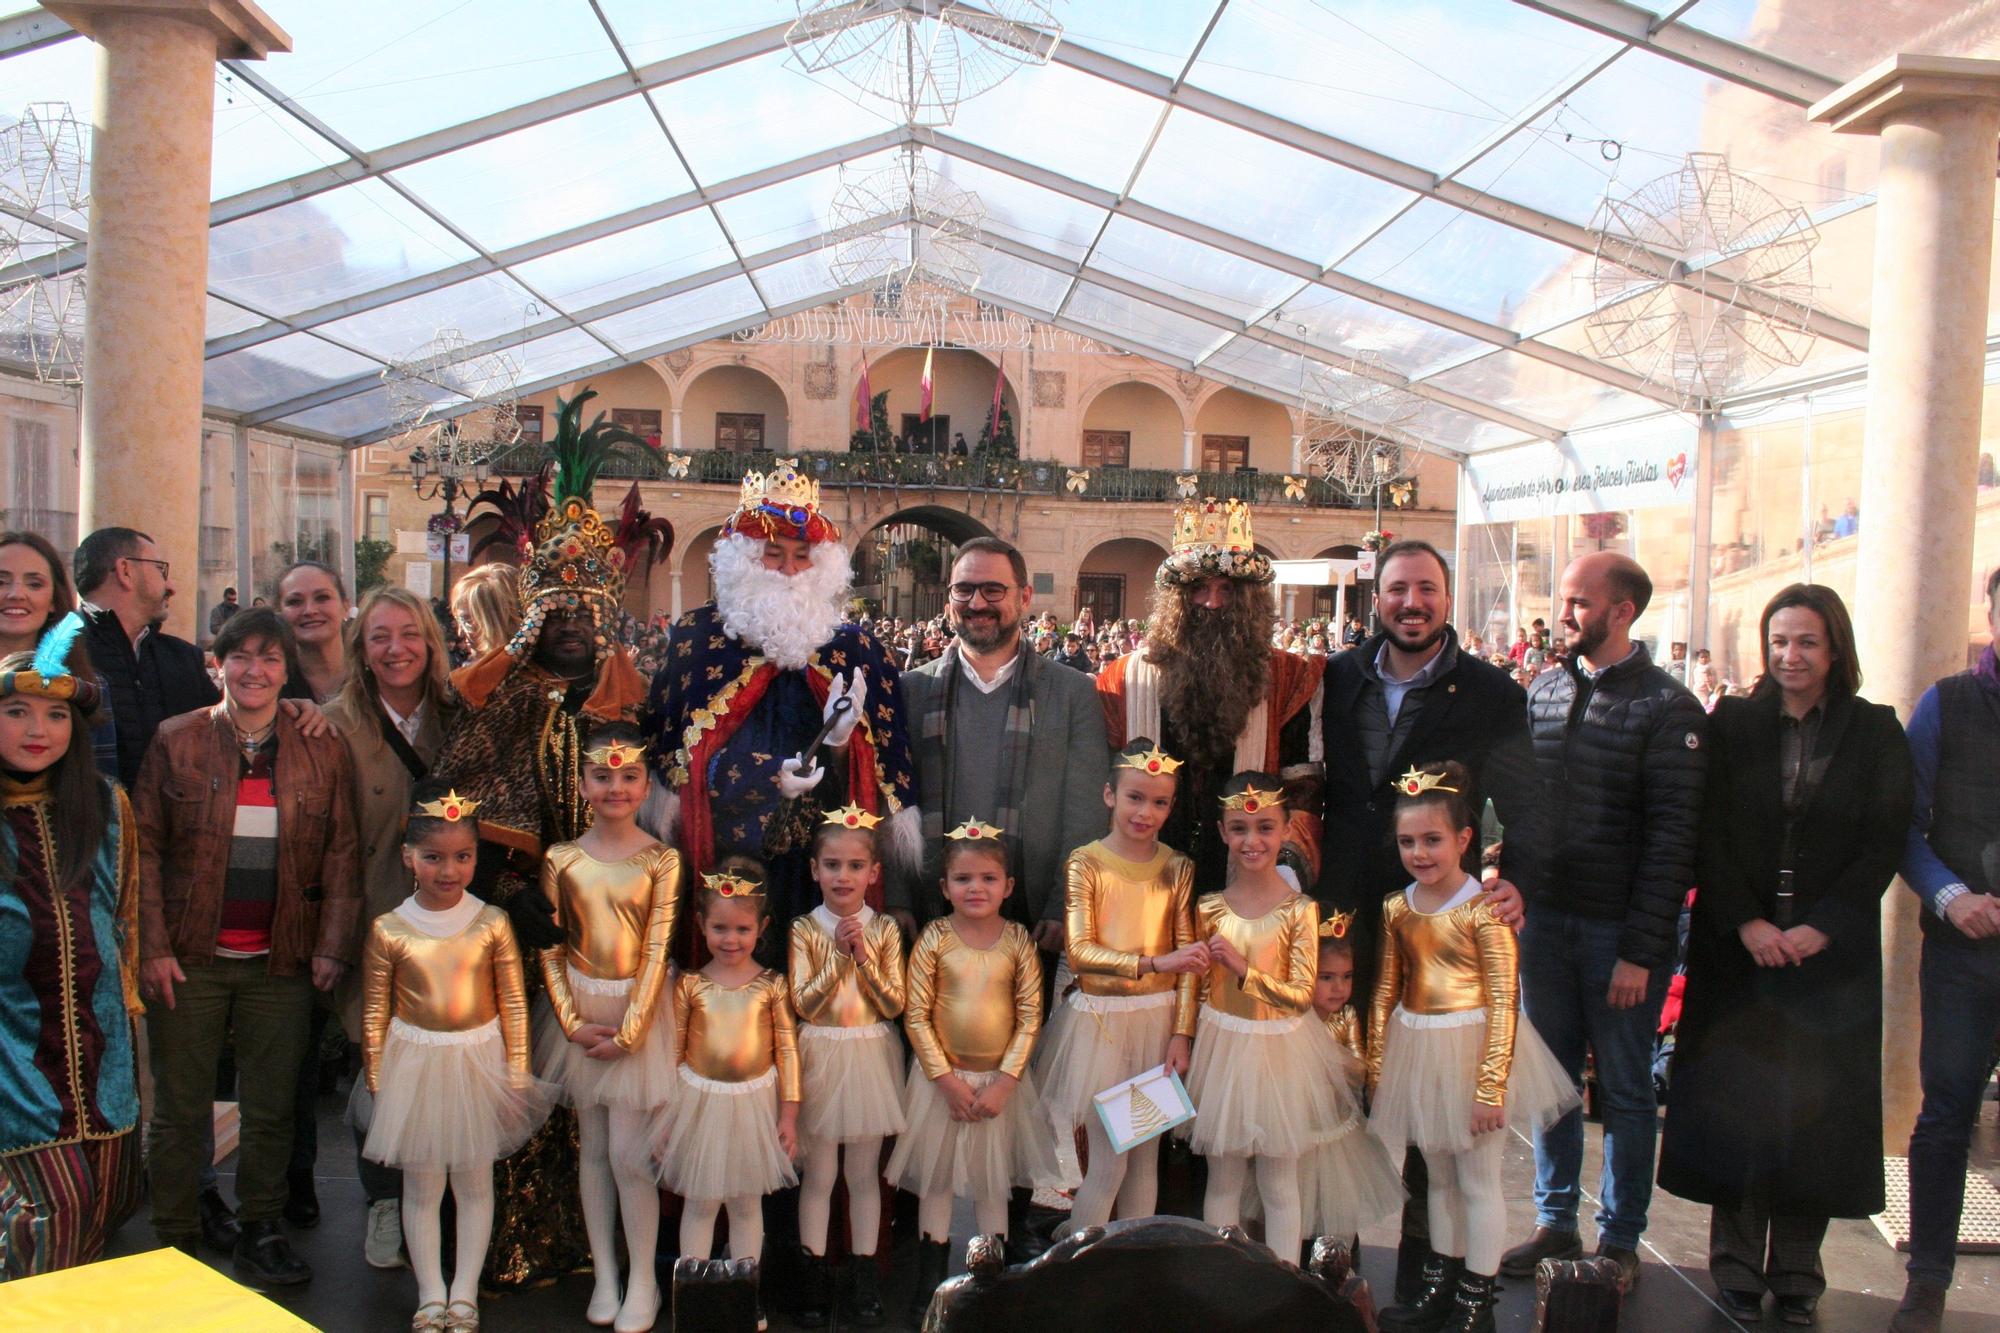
185 802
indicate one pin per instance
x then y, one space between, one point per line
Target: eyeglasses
165 567
962 594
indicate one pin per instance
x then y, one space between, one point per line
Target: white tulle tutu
1430 1068
983 1159
1268 1087
447 1101
1347 1183
721 1139
640 1080
1094 1041
851 1082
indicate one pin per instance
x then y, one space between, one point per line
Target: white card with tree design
1143 1107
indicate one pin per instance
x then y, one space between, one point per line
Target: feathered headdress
639 536
50 676
517 510
575 560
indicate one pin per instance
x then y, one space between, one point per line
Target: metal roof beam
1306 269
1692 47
1237 328
1419 180
36 28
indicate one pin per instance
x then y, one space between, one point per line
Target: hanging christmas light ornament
1742 302
447 388
919 59
44 220
1356 420
936 241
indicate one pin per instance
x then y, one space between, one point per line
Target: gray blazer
1069 761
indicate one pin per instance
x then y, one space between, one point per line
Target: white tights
1129 1181
423 1197
989 1216
1468 1214
746 1226
615 1180
864 1193
1277 1184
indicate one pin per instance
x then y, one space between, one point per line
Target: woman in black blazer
1774 1112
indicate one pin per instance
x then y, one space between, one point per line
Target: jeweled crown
851 816
615 754
972 830
1416 782
1336 925
1154 760
782 502
729 885
1221 524
1252 799
451 807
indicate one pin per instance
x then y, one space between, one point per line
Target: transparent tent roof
1239 187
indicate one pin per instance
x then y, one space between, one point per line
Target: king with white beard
749 681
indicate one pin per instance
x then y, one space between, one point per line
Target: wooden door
1107 448
1224 453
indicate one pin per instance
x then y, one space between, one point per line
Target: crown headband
451 807
851 816
1336 926
615 754
974 831
783 502
1154 760
728 885
1416 782
1252 799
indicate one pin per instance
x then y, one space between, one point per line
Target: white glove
855 691
793 784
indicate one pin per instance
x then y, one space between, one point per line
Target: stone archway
961 395
1132 423
697 582
735 407
901 563
1115 579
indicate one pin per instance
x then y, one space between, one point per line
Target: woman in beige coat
393 711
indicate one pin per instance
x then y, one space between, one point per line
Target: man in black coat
1621 746
1409 697
151 675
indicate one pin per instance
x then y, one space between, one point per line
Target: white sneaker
382 1245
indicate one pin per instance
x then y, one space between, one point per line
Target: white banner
1587 474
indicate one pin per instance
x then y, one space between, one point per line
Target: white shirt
1000 677
439 925
410 725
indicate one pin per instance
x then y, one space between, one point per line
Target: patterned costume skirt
59 1205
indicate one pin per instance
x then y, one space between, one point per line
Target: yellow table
161 1292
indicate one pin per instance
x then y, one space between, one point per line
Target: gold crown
614 754
1154 760
782 502
851 816
784 486
1221 524
1252 799
729 885
1416 782
451 807
972 831
1336 926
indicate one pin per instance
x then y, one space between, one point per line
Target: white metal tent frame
1255 352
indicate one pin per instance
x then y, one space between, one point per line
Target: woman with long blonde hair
486 603
393 711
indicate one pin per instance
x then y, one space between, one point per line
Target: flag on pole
924 387
864 401
999 383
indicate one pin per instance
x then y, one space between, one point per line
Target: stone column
1938 119
677 429
1187 451
148 261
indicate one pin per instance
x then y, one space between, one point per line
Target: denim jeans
1566 965
1961 1004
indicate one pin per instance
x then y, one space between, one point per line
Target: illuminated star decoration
851 816
1416 782
1252 799
451 807
973 830
1154 760
615 754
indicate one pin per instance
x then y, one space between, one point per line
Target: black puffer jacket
1622 759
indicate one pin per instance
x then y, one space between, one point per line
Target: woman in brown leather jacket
248 895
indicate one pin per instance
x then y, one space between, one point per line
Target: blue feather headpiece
50 676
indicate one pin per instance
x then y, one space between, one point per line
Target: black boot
1435 1299
1472 1306
1028 1228
815 1304
264 1255
861 1305
933 1262
218 1222
1411 1254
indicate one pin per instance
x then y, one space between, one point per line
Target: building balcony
932 472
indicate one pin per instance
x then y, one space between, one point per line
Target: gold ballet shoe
461 1317
429 1317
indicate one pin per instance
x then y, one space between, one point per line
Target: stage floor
1673 1296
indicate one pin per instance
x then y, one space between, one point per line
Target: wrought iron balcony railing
922 472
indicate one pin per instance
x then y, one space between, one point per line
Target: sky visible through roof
1242 188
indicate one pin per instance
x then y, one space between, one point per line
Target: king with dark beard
1208 685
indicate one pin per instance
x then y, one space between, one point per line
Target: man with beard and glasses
751 678
1208 684
1621 747
1406 698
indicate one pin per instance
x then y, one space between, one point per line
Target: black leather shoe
264 1255
1801 1311
1544 1244
1747 1306
814 1308
861 1303
302 1203
218 1222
